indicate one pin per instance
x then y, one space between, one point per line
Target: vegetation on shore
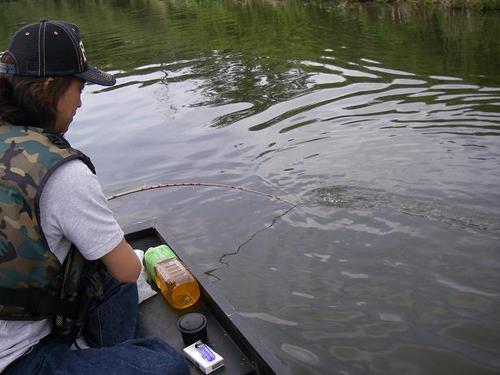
269 34
448 4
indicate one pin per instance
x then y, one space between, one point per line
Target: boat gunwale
262 360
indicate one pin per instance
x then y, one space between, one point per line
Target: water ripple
464 288
352 197
268 318
300 353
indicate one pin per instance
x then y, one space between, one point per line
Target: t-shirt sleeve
73 209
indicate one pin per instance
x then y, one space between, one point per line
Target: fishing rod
147 187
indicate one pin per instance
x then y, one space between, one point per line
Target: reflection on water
382 122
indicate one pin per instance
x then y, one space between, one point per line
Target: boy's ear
47 82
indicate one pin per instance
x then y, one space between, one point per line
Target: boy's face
68 104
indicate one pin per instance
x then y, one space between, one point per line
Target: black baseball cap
51 48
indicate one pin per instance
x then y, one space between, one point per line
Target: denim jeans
110 332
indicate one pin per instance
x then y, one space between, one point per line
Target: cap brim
97 76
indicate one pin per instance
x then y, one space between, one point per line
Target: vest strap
38 302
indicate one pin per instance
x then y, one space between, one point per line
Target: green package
154 255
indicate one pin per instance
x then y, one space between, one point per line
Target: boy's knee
174 363
179 366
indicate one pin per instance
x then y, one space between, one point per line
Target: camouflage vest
33 284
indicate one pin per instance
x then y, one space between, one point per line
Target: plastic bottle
176 283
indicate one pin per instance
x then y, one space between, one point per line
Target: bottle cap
193 327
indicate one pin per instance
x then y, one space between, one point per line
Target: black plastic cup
193 327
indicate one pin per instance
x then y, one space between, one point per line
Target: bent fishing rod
147 187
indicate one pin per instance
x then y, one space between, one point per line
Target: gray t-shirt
73 209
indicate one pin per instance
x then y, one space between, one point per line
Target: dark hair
28 101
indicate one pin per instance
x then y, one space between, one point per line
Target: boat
228 334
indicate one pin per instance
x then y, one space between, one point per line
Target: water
381 122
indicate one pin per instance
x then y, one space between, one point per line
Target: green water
381 121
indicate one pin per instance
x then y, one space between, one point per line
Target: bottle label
154 255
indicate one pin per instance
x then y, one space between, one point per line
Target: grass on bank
452 4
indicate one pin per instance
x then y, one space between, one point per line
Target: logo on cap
83 52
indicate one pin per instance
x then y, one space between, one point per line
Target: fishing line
212 271
147 187
275 219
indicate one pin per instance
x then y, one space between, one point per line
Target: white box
205 365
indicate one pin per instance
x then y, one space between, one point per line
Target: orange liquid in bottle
176 283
